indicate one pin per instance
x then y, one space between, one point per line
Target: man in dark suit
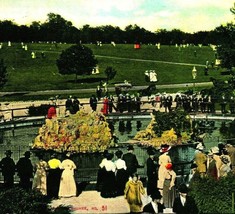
154 206
25 171
7 165
184 203
152 169
131 161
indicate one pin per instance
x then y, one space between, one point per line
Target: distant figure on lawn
8 167
25 171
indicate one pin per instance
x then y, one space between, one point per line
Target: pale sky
186 15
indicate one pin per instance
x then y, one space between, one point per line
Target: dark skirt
53 182
99 181
168 195
108 189
121 179
151 185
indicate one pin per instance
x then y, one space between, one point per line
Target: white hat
199 146
214 150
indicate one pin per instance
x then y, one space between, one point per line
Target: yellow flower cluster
148 137
81 133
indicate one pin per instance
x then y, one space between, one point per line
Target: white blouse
120 164
110 166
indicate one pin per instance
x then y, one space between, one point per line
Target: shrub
19 201
38 110
214 196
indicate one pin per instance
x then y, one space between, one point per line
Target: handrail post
12 114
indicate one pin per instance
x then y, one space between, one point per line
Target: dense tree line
226 49
57 29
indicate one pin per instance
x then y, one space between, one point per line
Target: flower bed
165 128
79 133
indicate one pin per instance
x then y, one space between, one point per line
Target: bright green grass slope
27 74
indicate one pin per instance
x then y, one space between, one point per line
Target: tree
55 28
110 73
78 60
3 73
226 51
233 9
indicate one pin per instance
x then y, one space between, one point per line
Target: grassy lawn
27 74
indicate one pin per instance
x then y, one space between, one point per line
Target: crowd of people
72 105
125 102
118 176
218 162
193 103
53 178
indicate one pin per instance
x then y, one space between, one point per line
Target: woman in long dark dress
121 173
108 189
53 177
99 181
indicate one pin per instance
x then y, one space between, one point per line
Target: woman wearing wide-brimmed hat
225 167
218 163
200 159
164 159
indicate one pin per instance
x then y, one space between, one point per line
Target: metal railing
88 164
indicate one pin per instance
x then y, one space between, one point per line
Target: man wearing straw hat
200 159
7 165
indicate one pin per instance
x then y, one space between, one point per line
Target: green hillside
27 74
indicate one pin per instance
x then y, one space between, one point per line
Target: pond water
212 132
20 139
124 130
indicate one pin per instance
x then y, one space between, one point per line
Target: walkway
110 89
92 202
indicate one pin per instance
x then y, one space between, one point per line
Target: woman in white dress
163 160
67 182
